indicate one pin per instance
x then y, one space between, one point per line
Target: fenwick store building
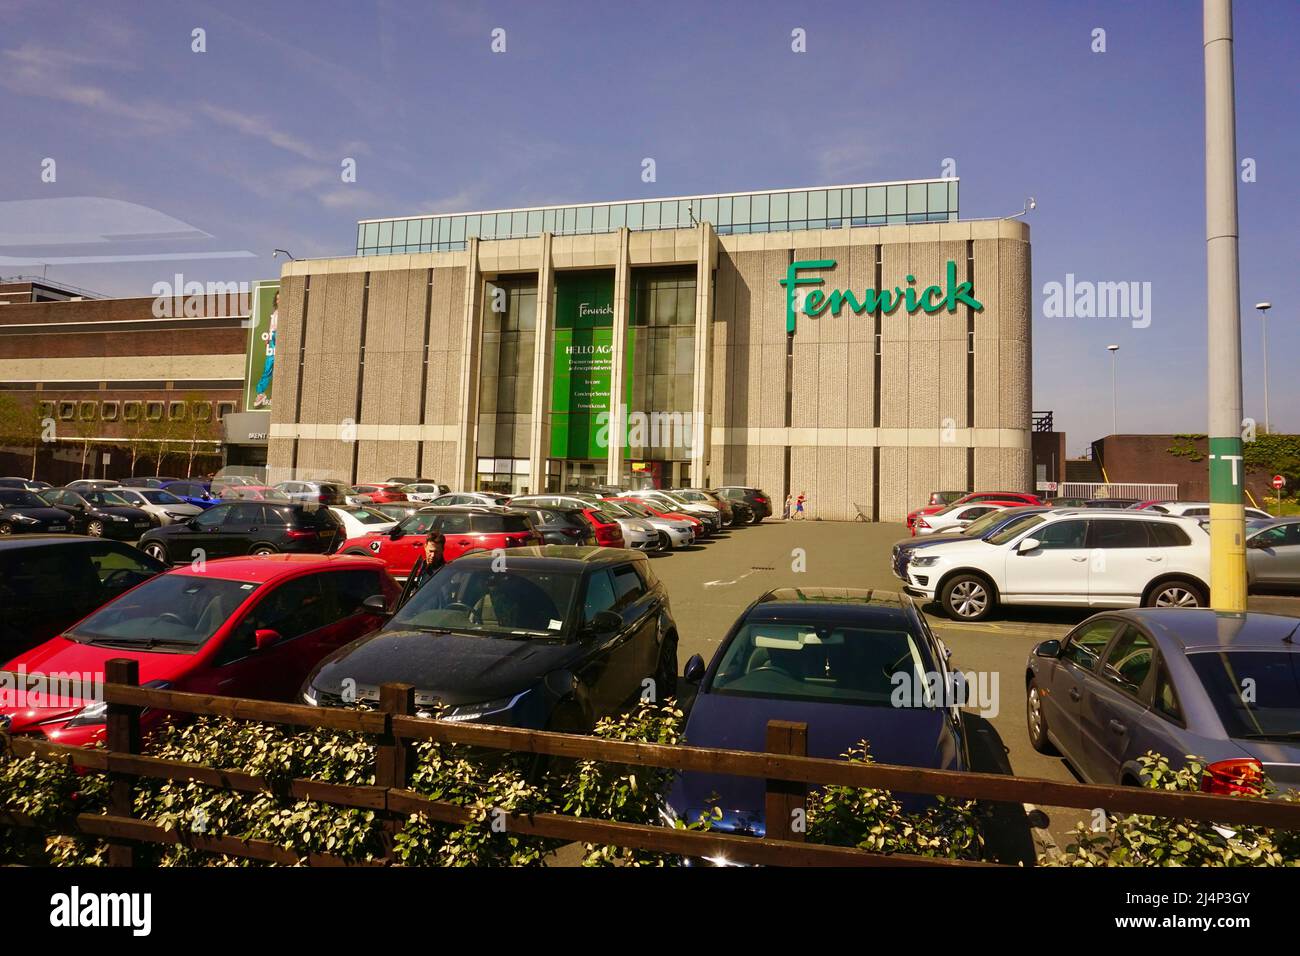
860 344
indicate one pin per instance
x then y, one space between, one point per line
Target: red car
377 493
241 627
1007 498
467 529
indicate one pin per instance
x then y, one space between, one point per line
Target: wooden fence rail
785 766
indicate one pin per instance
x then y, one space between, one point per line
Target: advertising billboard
583 366
263 318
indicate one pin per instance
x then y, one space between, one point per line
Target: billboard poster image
260 366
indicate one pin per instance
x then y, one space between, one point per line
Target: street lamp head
1263 306
1112 348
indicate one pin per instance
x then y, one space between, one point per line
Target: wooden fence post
394 757
122 736
785 811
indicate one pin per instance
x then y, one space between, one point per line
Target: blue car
193 492
1217 685
851 664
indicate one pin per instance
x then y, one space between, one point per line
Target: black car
22 512
49 582
758 500
23 484
245 526
560 525
100 514
561 638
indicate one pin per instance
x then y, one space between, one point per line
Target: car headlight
90 715
118 518
479 711
925 562
309 696
26 519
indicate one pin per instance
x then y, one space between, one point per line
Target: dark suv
560 638
759 501
244 526
48 582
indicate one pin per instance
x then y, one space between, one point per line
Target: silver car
680 534
158 502
668 533
1177 681
1273 553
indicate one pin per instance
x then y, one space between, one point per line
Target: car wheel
1036 720
1177 592
95 529
261 550
757 519
6 528
665 542
156 550
968 597
666 673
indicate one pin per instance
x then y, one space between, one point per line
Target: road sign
1279 481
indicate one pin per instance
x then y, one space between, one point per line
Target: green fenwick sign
930 300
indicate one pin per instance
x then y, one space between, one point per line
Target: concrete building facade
865 360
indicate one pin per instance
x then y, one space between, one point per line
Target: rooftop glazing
817 207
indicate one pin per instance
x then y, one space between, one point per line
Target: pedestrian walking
429 563
798 507
785 511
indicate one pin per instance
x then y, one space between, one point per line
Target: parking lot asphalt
711 584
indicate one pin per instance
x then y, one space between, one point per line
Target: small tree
198 431
22 426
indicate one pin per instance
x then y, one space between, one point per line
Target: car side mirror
1025 545
376 604
605 622
1050 648
265 637
395 534
694 670
1256 543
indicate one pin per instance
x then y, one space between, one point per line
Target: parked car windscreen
1014 528
107 498
171 611
20 499
515 603
156 496
839 664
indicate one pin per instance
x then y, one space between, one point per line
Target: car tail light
303 533
1239 775
760 499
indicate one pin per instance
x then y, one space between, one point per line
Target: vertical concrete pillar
618 360
539 434
702 391
467 420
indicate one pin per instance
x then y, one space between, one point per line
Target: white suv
1069 558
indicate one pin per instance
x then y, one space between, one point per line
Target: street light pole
1223 299
1263 325
1114 394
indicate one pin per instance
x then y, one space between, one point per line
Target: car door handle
1080 559
1155 559
1074 694
1117 727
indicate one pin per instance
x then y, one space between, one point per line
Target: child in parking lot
798 507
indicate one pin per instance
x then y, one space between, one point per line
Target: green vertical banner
582 365
263 318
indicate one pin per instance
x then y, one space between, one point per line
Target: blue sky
244 142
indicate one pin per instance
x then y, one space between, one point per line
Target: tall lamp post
1263 325
1114 395
1223 307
